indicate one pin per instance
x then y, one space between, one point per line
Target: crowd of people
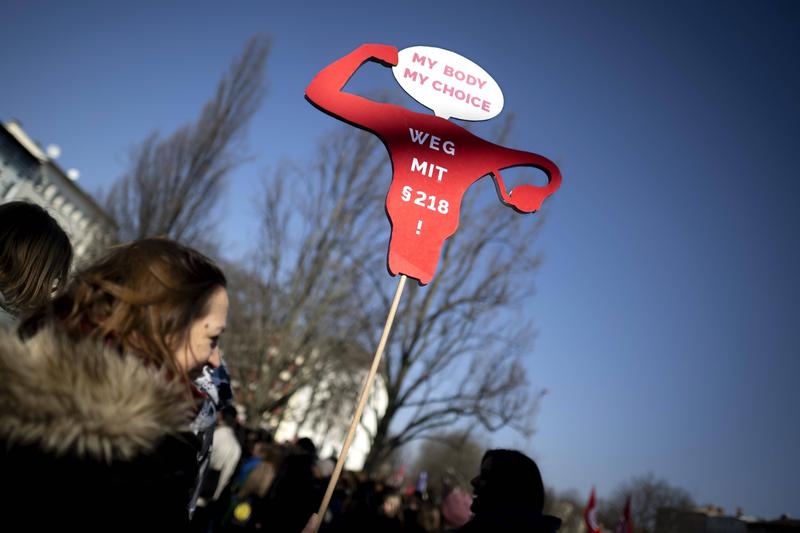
276 487
116 411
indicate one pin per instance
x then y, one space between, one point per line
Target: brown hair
141 297
258 481
35 255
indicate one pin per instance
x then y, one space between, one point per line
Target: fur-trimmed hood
84 400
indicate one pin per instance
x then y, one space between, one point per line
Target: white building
28 173
315 413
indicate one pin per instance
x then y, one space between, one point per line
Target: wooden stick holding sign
434 160
362 401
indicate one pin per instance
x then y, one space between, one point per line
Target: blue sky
667 306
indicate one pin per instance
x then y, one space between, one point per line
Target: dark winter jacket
91 440
511 519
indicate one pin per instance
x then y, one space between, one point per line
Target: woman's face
202 346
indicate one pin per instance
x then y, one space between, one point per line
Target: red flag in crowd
625 522
590 515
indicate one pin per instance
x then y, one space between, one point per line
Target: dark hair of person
229 414
35 256
514 478
307 446
141 298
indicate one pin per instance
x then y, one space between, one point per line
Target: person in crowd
325 467
509 496
225 454
35 257
227 451
98 397
362 509
255 442
390 517
456 509
343 503
293 495
262 453
429 517
252 482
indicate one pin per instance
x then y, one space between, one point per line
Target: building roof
14 129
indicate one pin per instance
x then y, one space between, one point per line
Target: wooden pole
376 361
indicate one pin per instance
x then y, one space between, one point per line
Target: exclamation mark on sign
419 226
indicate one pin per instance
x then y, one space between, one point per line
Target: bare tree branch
174 183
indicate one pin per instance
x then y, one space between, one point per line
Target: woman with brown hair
97 403
35 256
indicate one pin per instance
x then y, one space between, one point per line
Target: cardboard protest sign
434 160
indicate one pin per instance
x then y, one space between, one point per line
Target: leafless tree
567 506
173 183
451 459
300 325
648 495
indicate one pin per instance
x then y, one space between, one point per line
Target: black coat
511 519
91 440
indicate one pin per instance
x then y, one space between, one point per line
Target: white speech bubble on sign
447 83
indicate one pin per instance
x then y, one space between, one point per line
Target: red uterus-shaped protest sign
434 160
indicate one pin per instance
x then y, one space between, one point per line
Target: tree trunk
378 450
